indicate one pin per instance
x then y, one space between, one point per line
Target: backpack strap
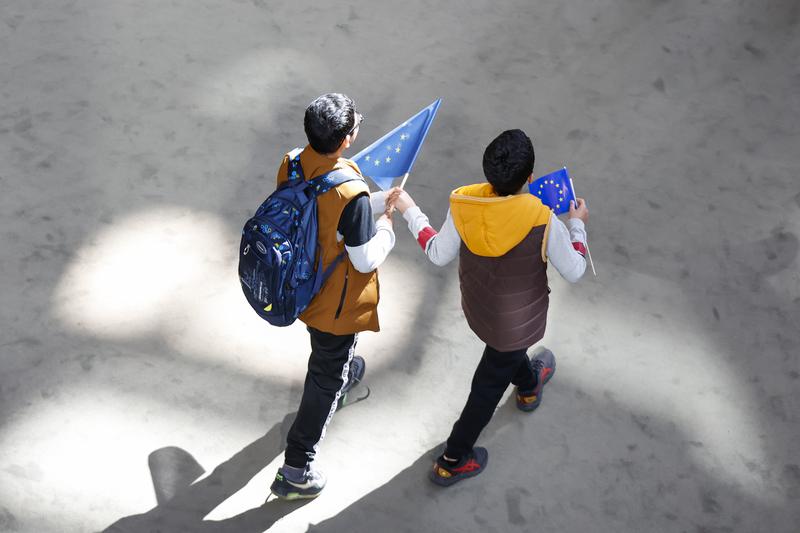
293 170
320 185
328 271
325 182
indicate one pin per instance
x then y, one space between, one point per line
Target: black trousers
494 373
326 377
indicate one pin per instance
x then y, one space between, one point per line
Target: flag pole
588 251
402 184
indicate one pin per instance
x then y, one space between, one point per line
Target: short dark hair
329 119
508 161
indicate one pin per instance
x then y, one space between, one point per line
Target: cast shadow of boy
409 501
571 476
184 508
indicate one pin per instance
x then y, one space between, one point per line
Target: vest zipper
344 292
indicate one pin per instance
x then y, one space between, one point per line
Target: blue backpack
280 267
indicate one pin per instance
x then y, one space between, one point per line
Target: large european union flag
554 190
393 155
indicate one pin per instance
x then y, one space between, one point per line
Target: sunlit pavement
136 138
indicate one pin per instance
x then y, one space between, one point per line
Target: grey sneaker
354 376
444 474
293 483
544 366
355 373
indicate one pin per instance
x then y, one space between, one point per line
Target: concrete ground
137 136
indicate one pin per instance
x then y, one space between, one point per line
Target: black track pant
493 375
327 374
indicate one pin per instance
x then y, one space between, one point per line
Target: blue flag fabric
393 155
554 190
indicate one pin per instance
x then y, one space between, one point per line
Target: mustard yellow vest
348 301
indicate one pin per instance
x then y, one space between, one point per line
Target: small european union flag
393 155
554 190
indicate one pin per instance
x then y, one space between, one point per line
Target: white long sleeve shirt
373 253
566 243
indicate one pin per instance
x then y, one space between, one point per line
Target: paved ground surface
135 137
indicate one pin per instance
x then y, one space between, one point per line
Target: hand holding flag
393 155
557 191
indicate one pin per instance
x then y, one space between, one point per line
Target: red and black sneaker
544 366
473 464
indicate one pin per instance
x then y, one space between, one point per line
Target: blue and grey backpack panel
279 264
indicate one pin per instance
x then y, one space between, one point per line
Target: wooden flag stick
403 183
591 263
588 251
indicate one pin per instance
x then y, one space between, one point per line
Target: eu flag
554 190
393 155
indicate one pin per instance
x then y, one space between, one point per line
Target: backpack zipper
344 292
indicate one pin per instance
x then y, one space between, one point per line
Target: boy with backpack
504 237
351 247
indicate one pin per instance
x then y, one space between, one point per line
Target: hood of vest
491 225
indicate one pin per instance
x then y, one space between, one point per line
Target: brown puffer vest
505 298
502 267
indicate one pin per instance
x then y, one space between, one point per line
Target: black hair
508 161
329 119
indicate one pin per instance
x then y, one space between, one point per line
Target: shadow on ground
186 508
611 469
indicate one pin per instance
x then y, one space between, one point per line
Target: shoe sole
350 397
292 493
295 496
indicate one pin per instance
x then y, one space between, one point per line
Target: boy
504 237
348 300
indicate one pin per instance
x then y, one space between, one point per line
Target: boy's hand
386 216
400 199
391 198
581 212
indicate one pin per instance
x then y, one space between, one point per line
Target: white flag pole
403 183
588 251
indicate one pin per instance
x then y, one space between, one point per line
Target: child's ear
351 138
530 178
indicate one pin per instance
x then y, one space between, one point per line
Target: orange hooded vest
348 301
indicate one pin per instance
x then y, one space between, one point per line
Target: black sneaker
354 376
355 373
544 366
289 486
444 474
